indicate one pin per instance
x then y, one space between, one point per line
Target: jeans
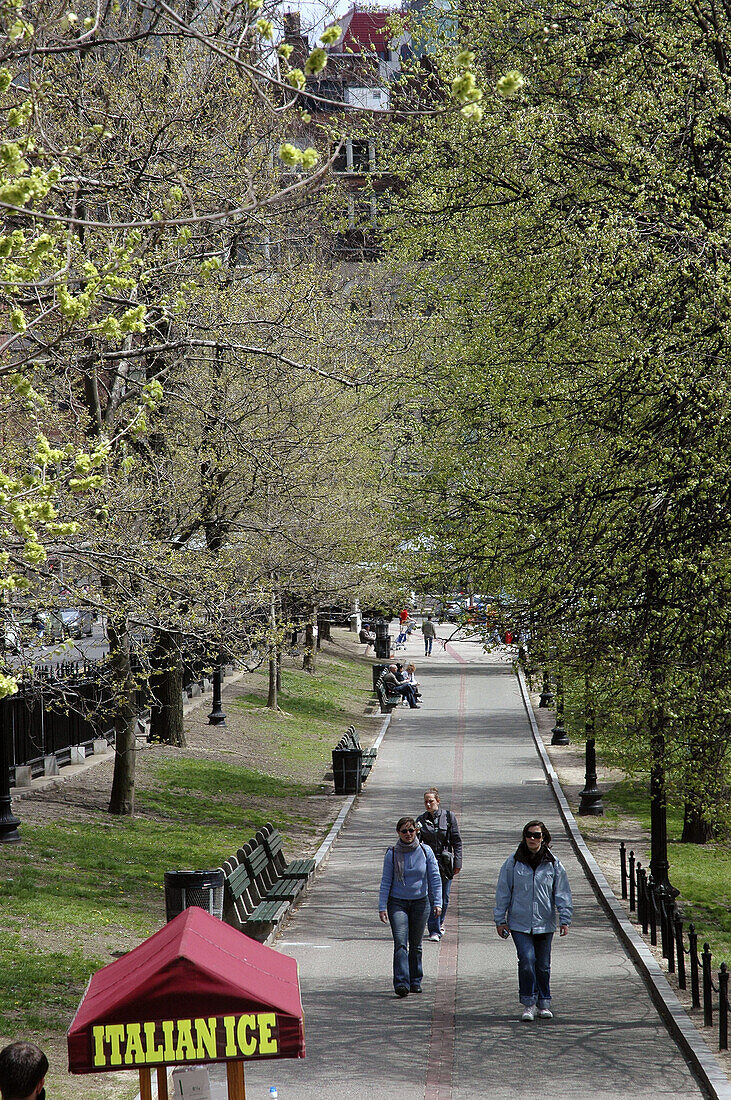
427 645
408 691
435 923
534 967
408 919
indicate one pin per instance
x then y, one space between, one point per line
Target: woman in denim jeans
410 887
531 887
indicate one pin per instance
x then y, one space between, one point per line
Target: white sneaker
441 930
545 1013
529 1013
435 937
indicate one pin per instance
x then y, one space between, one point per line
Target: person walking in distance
23 1069
532 886
440 830
410 890
429 631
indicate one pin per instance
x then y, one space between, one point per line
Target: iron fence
656 910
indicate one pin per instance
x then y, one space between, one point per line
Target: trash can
378 670
204 889
383 642
347 770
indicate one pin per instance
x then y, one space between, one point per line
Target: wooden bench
263 874
387 702
369 755
298 868
240 906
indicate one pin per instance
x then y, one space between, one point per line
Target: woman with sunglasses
531 887
411 887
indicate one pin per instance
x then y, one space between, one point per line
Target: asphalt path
462 1038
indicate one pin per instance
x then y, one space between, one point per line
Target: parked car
77 622
24 628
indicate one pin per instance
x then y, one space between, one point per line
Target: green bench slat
286 888
238 881
257 860
299 868
268 912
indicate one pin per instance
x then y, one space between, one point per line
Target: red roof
195 967
365 31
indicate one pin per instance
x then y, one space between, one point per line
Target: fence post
632 881
641 897
652 906
667 913
707 987
723 1007
8 821
623 868
695 985
680 950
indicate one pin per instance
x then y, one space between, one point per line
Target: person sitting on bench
394 686
366 637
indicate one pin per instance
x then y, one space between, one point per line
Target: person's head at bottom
23 1069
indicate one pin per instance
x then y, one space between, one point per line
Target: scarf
399 855
523 854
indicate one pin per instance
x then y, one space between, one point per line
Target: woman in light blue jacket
531 887
411 886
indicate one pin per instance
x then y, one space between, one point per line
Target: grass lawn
83 887
702 872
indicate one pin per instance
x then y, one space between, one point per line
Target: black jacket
434 833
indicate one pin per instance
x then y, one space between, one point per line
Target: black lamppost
546 699
558 733
8 821
590 804
217 717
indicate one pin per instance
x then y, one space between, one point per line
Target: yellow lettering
134 1051
100 1058
152 1053
186 1046
267 1042
114 1033
168 1026
229 1022
206 1032
247 1043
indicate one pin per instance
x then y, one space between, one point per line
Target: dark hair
434 791
22 1068
405 821
544 830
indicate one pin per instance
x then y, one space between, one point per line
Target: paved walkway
462 1038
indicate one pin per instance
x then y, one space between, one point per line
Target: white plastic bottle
273 1093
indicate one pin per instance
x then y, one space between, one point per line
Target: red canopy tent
197 991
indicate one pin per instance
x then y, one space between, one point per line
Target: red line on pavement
440 1064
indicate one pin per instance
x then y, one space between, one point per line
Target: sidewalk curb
681 1027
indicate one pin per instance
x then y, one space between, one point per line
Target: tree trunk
122 799
272 702
696 829
279 669
309 660
166 684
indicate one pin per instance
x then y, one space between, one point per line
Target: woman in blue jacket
410 887
531 887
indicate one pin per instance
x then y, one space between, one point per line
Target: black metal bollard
707 986
723 1007
652 909
623 868
644 920
695 985
641 899
666 930
679 949
632 881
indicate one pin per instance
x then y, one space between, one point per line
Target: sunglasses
534 836
407 830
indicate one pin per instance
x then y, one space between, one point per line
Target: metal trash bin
347 770
203 889
378 671
383 641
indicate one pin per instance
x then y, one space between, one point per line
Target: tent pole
145 1083
162 1083
235 1077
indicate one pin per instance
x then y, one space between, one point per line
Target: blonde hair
434 791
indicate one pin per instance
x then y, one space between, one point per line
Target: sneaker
416 989
442 930
544 1013
435 937
529 1013
402 991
